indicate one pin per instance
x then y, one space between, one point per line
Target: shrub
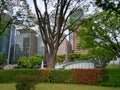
110 78
9 76
62 76
44 75
2 59
35 60
24 62
87 76
26 82
105 77
60 58
32 61
76 57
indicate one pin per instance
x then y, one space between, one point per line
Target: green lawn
48 86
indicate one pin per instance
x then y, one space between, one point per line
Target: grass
49 86
113 66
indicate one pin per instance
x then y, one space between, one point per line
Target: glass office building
25 45
7 44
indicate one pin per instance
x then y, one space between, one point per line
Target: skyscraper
7 44
25 45
75 45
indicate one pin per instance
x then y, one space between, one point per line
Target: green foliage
2 59
109 5
35 60
24 62
101 30
9 76
110 78
2 25
114 66
105 77
86 37
60 58
62 76
77 57
23 17
26 82
32 61
101 54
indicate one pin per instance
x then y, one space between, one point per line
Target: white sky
31 5
30 2
40 5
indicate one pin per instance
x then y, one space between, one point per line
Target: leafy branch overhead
103 30
16 13
109 5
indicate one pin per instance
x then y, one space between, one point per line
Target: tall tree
25 19
15 12
54 23
5 10
109 5
102 30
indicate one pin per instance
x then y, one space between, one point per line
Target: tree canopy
17 13
109 5
53 21
101 30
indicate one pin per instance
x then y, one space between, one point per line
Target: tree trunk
50 59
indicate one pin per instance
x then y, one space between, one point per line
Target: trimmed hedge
87 76
110 77
62 76
44 75
9 76
105 77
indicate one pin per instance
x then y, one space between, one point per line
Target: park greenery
31 62
109 5
54 23
99 33
16 13
2 59
100 77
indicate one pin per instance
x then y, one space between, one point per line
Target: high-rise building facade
64 48
76 40
7 44
25 45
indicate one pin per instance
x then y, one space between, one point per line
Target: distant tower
7 44
74 39
25 45
75 45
